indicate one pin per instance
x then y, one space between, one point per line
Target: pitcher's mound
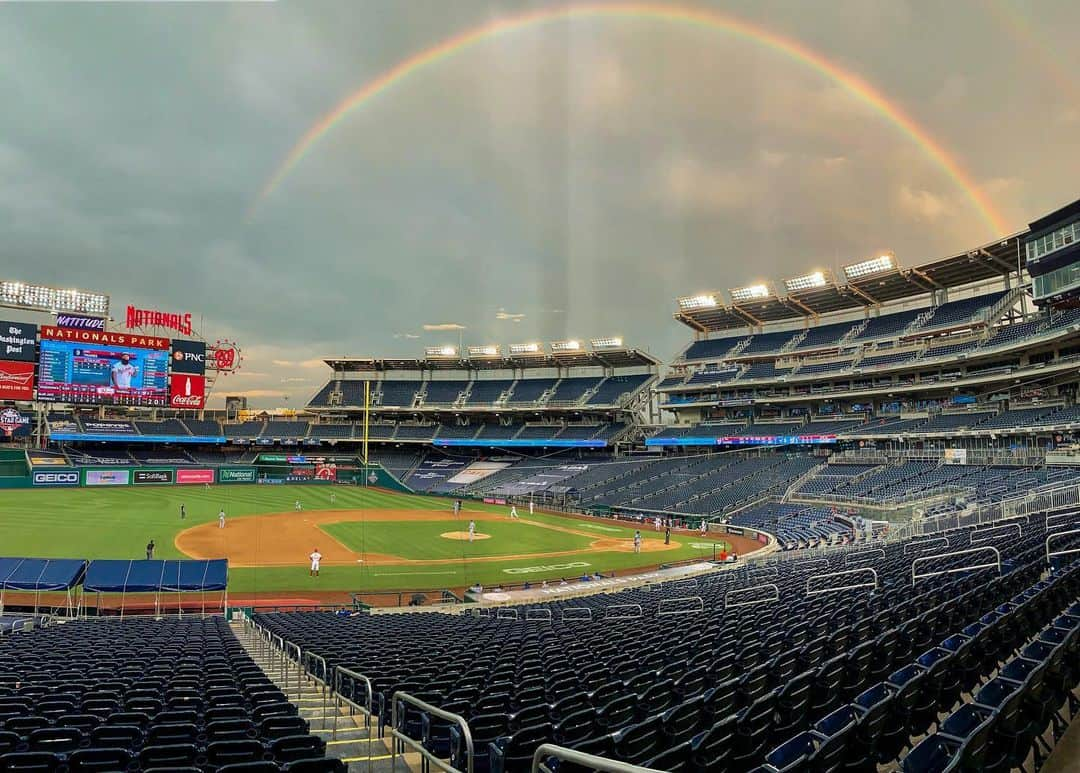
463 535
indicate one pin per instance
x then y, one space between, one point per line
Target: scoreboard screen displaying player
96 374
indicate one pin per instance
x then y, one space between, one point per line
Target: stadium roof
616 358
707 313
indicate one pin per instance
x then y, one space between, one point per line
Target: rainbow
787 47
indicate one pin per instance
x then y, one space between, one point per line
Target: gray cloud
582 174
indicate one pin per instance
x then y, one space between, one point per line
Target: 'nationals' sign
181 323
103 337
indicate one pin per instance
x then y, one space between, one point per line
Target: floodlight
43 298
441 351
490 350
750 293
572 345
695 302
611 342
532 348
806 282
878 265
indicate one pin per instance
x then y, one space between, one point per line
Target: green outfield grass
117 523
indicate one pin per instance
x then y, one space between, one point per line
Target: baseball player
297 506
513 511
637 541
221 518
704 527
530 507
315 557
183 511
457 507
472 530
333 497
656 523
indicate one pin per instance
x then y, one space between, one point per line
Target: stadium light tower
750 293
879 265
32 297
811 281
518 350
697 302
441 351
488 350
572 345
606 344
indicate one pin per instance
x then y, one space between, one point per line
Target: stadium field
370 539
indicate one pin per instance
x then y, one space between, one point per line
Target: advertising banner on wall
188 357
75 320
11 421
56 477
83 336
326 472
187 391
184 476
152 477
236 474
18 341
108 477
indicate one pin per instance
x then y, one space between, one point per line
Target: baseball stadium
835 528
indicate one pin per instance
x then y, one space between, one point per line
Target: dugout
146 586
41 575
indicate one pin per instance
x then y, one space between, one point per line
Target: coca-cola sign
187 391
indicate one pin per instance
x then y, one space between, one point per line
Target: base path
285 539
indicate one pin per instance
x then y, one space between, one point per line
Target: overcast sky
566 179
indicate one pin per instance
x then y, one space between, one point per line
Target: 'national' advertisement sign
18 341
236 475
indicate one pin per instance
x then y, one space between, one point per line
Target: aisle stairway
353 742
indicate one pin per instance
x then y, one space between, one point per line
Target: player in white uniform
513 511
704 527
297 506
315 557
637 541
472 530
221 518
123 371
530 507
656 524
333 497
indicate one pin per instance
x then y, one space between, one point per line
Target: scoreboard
96 374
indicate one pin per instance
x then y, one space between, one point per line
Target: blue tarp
41 574
153 576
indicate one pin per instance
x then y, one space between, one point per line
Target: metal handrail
339 696
846 572
449 716
700 607
858 556
980 532
776 595
510 614
813 562
1052 537
529 614
1073 514
309 655
922 543
581 758
995 551
289 646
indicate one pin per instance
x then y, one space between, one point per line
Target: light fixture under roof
611 342
441 351
809 281
523 349
488 350
880 264
750 293
570 345
696 302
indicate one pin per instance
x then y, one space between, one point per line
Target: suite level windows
1057 239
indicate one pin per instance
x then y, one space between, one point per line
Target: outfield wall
166 475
